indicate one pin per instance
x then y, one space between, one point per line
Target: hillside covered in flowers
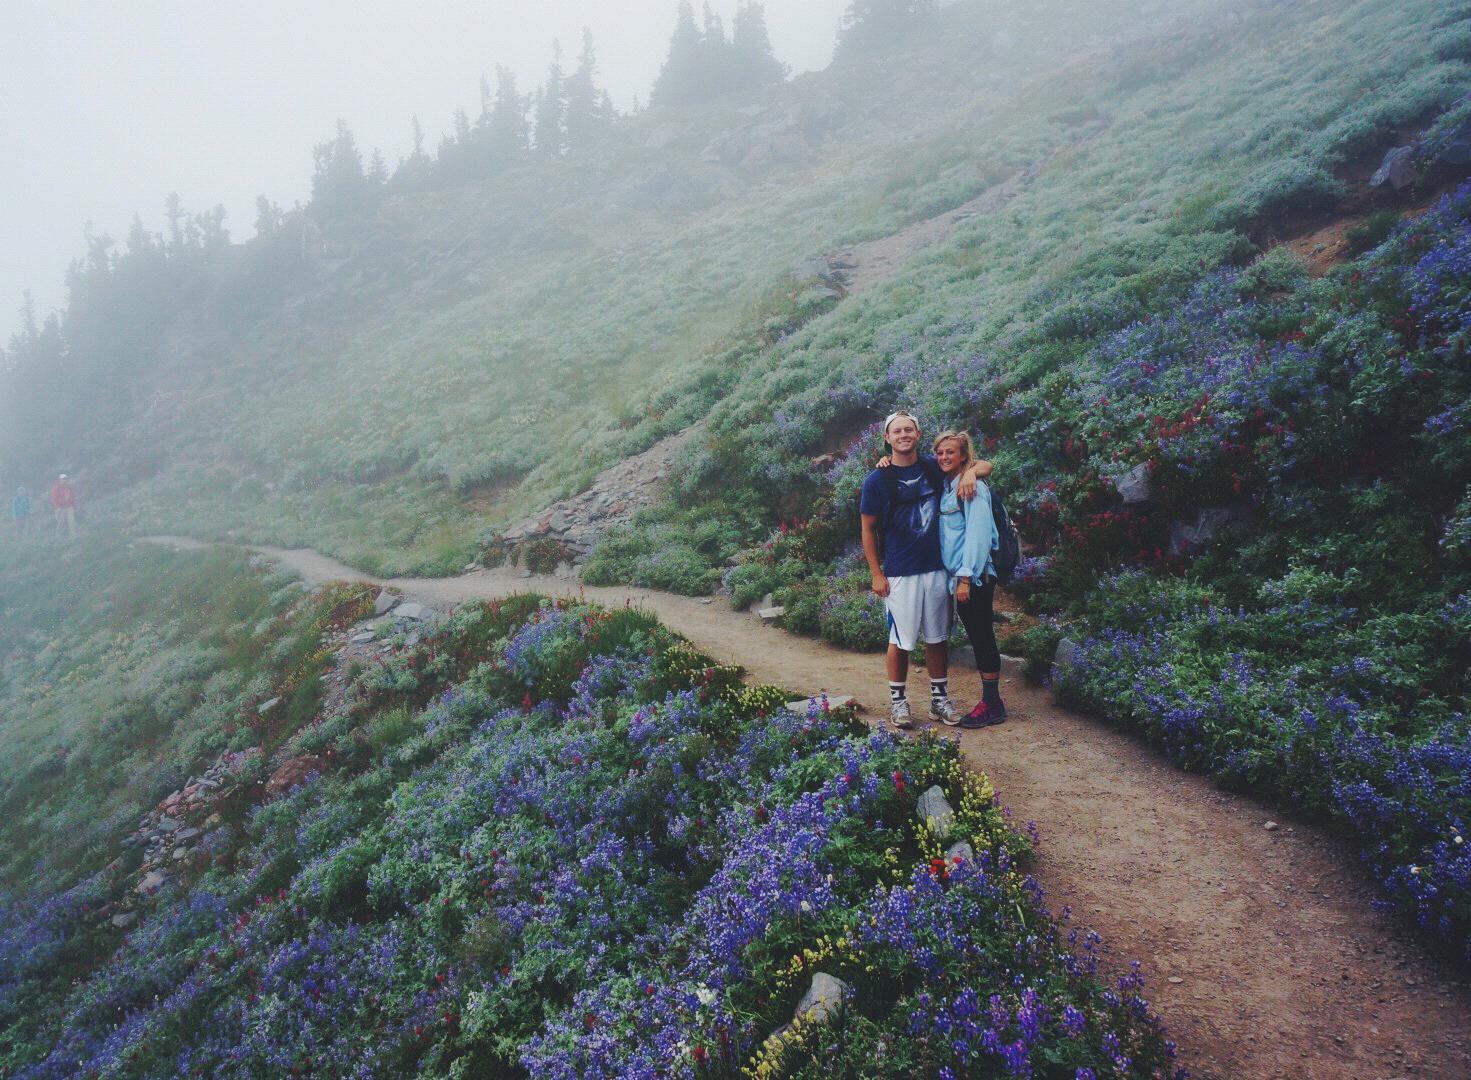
553 840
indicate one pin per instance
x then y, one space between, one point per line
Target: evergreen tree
339 186
418 139
142 244
588 110
268 218
550 108
505 127
715 58
173 212
414 170
869 25
213 236
753 61
377 169
679 80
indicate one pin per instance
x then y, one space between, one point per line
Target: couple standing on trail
63 505
929 537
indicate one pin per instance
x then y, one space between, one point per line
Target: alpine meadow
464 661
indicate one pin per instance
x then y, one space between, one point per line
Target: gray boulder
152 882
824 999
385 603
1397 170
935 811
125 920
266 706
1457 150
1133 486
417 612
1068 653
1187 537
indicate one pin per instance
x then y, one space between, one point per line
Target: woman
967 538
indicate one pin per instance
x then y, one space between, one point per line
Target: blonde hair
963 438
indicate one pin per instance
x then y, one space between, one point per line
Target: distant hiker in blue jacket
967 539
900 512
20 511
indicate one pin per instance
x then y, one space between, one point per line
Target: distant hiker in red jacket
64 505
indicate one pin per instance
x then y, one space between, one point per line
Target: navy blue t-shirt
911 533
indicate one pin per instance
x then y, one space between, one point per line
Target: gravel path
1260 946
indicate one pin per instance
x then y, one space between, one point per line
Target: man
901 517
64 506
20 511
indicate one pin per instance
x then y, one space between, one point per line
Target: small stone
125 920
960 853
266 706
168 824
771 614
1176 980
417 612
184 835
1270 826
180 853
363 638
385 602
817 701
152 882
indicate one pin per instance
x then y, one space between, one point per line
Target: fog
108 108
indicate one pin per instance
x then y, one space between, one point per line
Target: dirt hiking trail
1260 947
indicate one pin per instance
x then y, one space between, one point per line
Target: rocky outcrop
787 135
614 497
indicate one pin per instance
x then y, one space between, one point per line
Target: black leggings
975 616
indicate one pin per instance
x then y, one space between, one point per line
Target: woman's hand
885 462
962 591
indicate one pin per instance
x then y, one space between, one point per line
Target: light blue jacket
967 533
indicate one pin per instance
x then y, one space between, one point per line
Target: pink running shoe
983 715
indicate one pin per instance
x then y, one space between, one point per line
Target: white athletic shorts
919 608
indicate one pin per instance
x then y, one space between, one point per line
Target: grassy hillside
1286 609
124 670
400 394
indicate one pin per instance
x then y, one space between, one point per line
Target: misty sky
107 107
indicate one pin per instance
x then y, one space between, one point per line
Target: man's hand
880 585
965 485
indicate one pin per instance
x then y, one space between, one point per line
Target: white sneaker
944 710
899 714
